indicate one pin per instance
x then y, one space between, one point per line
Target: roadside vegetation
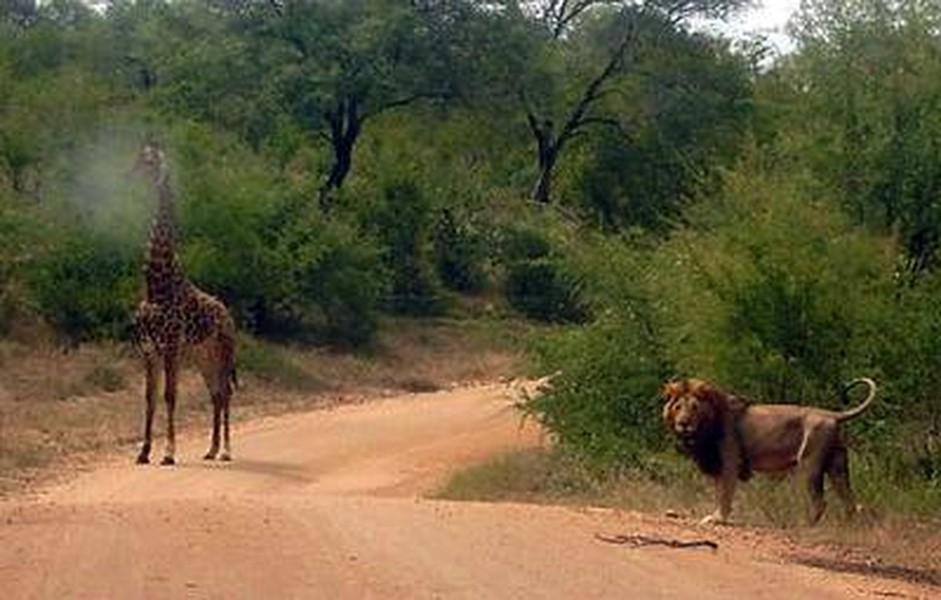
603 184
59 411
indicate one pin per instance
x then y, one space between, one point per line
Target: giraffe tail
229 361
235 377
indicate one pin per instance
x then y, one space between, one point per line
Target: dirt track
328 505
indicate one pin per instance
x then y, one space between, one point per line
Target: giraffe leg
215 363
229 382
226 448
216 415
170 382
208 362
150 393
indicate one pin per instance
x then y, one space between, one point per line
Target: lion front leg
725 489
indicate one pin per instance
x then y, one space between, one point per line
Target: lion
729 438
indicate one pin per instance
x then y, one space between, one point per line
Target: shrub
603 405
541 290
538 283
346 283
229 205
773 293
402 223
85 288
460 254
285 268
16 236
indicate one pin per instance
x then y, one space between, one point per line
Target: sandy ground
329 504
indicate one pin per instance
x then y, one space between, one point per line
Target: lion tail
858 410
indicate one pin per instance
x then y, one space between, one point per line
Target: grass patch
671 484
531 475
57 405
554 476
106 378
277 365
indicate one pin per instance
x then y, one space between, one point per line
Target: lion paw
715 519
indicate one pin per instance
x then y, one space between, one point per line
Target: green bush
518 244
403 224
346 282
286 269
537 282
229 203
604 405
16 243
774 293
85 288
542 290
460 254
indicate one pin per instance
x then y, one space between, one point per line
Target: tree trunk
547 152
542 191
342 162
345 126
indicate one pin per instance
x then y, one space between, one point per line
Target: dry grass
886 544
56 407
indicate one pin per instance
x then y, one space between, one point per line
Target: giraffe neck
165 277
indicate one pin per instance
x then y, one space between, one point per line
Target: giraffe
177 320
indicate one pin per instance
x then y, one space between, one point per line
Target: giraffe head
151 162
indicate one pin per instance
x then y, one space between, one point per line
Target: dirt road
329 504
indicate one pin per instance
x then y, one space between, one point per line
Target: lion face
689 411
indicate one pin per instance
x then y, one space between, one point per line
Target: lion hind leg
801 457
815 488
814 459
815 471
839 473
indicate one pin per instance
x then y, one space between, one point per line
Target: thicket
812 265
673 203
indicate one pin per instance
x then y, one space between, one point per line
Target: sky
768 19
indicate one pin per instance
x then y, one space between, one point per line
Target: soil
335 503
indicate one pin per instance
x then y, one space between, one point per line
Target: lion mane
701 417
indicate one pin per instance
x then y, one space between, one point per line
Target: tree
868 75
687 115
339 64
571 106
18 13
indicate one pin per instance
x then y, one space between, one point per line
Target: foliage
460 253
870 113
773 292
403 220
678 124
85 288
341 274
603 403
278 261
538 281
16 243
